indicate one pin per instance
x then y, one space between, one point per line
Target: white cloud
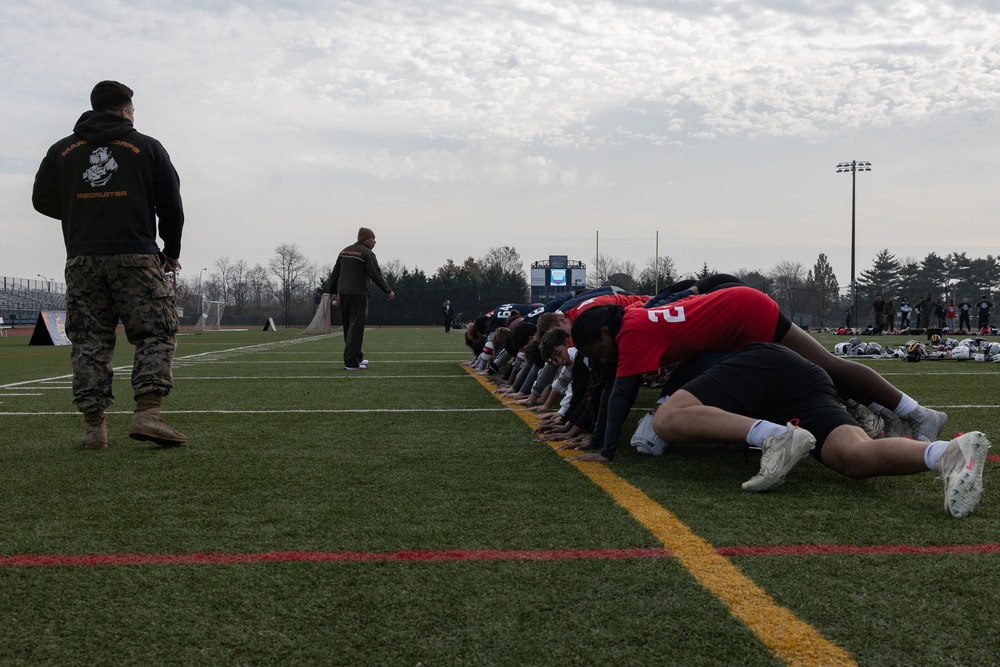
594 105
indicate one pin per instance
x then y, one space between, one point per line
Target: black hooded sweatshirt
108 184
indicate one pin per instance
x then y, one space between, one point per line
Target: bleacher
22 299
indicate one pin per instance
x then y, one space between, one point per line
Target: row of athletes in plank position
755 378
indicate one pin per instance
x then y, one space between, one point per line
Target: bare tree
393 270
609 266
599 271
788 280
259 286
186 293
622 274
212 287
753 278
502 262
288 266
657 274
240 286
223 277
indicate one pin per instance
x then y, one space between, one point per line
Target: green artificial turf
290 453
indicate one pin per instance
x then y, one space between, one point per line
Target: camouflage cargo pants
100 290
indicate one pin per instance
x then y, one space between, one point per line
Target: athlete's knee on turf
848 451
670 414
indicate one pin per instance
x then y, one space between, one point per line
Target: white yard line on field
267 412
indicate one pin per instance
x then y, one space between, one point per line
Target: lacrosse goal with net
321 320
211 316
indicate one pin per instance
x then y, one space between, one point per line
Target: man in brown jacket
353 274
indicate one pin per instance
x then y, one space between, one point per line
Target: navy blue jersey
568 303
500 314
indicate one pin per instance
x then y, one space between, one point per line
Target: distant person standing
951 315
447 312
904 313
964 310
985 307
109 184
878 312
926 310
353 274
890 315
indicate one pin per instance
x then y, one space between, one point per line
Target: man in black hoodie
108 184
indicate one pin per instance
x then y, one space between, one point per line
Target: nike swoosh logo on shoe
774 466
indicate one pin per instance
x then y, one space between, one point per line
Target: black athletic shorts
769 381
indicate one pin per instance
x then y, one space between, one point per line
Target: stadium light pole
854 167
48 283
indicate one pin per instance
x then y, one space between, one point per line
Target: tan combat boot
95 433
147 424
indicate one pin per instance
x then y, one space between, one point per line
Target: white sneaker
926 424
961 469
781 453
645 439
870 422
895 427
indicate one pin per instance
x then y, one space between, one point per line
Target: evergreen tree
958 268
984 275
932 276
824 292
753 278
650 282
883 278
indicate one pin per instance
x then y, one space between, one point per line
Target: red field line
472 555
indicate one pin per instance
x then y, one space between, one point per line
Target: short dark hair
110 96
552 339
519 337
533 354
587 326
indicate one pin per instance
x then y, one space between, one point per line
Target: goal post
211 316
321 320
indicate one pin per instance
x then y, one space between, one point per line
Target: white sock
763 429
906 406
933 453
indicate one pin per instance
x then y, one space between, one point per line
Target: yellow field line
788 637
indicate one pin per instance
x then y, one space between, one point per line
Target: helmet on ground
961 353
915 350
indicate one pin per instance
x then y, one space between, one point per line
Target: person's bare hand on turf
574 444
592 457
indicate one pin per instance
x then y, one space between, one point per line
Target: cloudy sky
450 128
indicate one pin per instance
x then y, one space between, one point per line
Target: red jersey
624 300
721 321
